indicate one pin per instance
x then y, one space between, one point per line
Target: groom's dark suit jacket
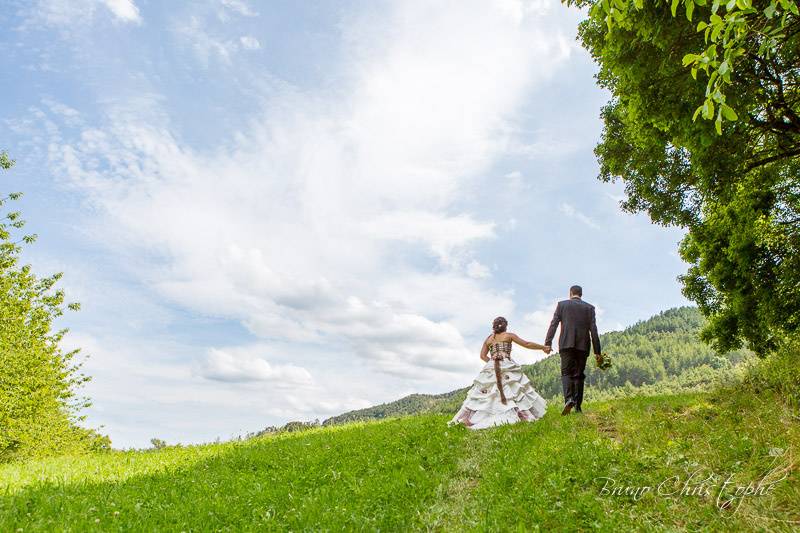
578 326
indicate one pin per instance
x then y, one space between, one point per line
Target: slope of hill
620 467
724 460
659 355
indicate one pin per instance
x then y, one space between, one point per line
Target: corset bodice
500 348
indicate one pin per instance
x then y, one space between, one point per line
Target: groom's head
575 290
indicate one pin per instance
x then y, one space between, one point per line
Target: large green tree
731 181
39 407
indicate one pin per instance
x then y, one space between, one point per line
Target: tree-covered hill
408 405
657 355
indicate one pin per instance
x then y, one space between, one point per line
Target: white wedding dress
485 406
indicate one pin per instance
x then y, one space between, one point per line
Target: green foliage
289 427
38 405
779 373
738 195
703 378
744 31
157 443
5 161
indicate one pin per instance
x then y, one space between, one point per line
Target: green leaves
689 59
729 113
726 35
708 109
39 409
5 161
715 151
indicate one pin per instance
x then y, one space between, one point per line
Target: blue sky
274 211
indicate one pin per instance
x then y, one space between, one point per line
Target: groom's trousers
573 365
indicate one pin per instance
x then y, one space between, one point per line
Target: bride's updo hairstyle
499 325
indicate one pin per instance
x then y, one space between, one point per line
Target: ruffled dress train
484 405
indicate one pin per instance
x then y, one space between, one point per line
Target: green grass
414 473
374 476
553 475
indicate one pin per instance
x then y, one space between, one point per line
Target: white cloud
441 234
124 10
206 46
337 217
140 389
477 270
571 212
517 185
538 321
239 7
68 14
545 145
61 109
245 363
249 42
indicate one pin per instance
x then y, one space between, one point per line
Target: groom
577 328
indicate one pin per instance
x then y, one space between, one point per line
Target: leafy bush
293 426
39 409
779 372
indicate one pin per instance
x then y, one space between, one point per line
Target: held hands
547 350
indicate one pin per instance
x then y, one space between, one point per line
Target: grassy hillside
660 355
724 460
414 473
377 476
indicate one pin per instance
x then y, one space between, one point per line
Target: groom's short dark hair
576 290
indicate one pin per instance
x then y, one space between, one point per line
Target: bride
502 393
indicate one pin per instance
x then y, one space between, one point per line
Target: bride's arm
485 351
526 344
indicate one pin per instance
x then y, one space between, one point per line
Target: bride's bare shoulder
514 338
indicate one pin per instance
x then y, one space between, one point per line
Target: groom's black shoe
567 408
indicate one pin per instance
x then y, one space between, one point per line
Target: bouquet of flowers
603 361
